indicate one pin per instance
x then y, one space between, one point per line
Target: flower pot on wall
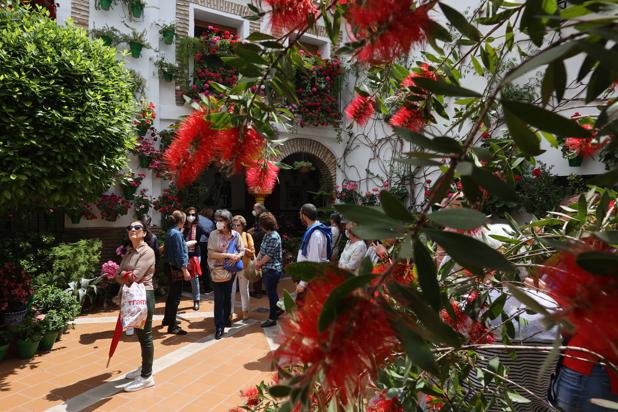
576 161
137 9
136 49
144 161
168 77
105 4
168 36
27 348
75 217
129 192
48 341
107 40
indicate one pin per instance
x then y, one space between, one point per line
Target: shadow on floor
76 388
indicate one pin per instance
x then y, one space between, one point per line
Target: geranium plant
142 203
317 88
129 182
145 118
167 202
112 206
146 149
80 211
167 69
15 287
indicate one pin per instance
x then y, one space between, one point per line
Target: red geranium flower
251 396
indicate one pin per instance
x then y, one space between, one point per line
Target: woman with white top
354 250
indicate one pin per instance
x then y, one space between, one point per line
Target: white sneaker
140 383
134 374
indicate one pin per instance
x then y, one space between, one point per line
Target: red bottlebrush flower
380 403
290 14
474 331
226 144
389 27
537 172
262 177
583 147
360 109
251 395
404 273
433 403
251 149
349 351
409 118
426 73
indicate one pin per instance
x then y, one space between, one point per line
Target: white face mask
190 219
254 213
220 225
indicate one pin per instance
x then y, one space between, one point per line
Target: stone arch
327 164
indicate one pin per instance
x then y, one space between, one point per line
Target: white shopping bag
134 311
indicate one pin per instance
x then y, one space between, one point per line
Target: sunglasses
135 227
190 214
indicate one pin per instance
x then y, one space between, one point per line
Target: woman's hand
185 274
235 257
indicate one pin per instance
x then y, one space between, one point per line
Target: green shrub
28 329
52 322
72 262
49 298
67 107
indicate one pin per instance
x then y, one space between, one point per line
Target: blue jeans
574 390
195 288
223 302
271 279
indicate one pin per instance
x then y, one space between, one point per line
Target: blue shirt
271 247
176 253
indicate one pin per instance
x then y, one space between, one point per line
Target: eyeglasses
135 227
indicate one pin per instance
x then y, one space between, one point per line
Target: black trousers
223 302
173 300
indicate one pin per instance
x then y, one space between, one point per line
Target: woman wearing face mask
220 256
192 233
239 224
175 262
354 250
138 265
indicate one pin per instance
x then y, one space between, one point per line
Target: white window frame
217 17
323 43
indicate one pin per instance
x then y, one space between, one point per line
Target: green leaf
420 162
515 397
527 141
496 18
442 88
279 391
333 305
606 179
496 307
427 274
548 84
469 252
438 32
417 350
599 82
610 236
440 144
602 209
544 57
370 232
560 78
493 184
599 263
365 215
545 119
394 208
460 22
524 298
459 218
258 36
288 301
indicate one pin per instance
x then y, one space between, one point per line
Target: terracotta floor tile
14 400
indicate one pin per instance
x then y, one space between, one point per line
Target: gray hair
225 215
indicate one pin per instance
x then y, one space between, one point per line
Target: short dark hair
268 221
309 210
261 207
336 217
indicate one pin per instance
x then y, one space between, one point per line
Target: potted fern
168 32
168 70
109 35
137 42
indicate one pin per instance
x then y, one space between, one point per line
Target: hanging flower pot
144 161
107 39
168 36
48 341
168 77
576 161
3 350
129 192
105 4
26 348
137 9
75 217
136 49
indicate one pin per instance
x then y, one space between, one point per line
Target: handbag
228 265
250 273
219 275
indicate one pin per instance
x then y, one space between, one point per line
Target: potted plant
77 212
167 31
109 35
575 149
136 7
4 344
112 206
29 334
49 297
144 121
303 166
51 325
168 70
104 4
167 202
129 184
141 203
137 42
15 291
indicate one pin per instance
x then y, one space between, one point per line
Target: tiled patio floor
192 372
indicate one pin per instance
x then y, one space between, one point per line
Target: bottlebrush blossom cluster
425 72
473 330
582 146
290 14
262 177
348 352
360 109
389 27
196 146
381 403
412 119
